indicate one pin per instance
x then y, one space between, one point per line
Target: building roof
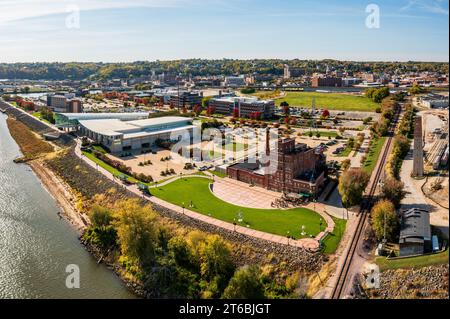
415 226
235 99
138 128
98 116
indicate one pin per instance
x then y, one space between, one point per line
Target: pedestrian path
310 244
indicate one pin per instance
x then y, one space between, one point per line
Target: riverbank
75 185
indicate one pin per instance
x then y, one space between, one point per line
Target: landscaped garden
279 222
330 101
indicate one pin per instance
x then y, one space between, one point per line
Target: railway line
344 274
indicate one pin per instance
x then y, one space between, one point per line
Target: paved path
311 244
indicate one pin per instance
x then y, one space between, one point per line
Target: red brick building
300 169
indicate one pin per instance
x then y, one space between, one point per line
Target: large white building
119 136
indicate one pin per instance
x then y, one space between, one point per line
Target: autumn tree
345 165
216 265
137 231
393 190
352 184
385 221
245 284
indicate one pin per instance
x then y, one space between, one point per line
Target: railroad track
363 215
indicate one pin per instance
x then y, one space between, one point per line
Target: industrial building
118 136
300 170
245 106
326 81
415 232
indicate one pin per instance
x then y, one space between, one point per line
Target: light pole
183 207
320 225
288 237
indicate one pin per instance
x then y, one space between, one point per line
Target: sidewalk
310 244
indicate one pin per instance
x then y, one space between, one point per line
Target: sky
137 30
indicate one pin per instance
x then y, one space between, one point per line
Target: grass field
331 242
107 167
330 134
329 101
39 116
345 152
218 174
413 262
374 153
272 221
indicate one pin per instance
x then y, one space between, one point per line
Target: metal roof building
119 136
72 120
415 232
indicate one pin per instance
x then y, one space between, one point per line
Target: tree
245 284
417 89
216 265
346 164
325 114
197 110
181 253
286 108
393 190
385 220
100 216
210 110
137 231
352 184
205 101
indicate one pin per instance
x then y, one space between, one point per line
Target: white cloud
14 10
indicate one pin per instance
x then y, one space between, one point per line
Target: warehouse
119 136
415 232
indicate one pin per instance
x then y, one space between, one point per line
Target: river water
36 245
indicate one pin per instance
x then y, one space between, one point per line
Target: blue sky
114 31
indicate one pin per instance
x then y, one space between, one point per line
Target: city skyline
110 31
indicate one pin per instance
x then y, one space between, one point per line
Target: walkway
310 244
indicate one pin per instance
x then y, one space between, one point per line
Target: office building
244 106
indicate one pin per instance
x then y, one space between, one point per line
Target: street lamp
288 237
183 207
320 225
234 224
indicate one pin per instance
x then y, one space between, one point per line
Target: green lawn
322 134
345 152
272 221
39 116
413 262
331 242
107 167
329 101
218 174
374 153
